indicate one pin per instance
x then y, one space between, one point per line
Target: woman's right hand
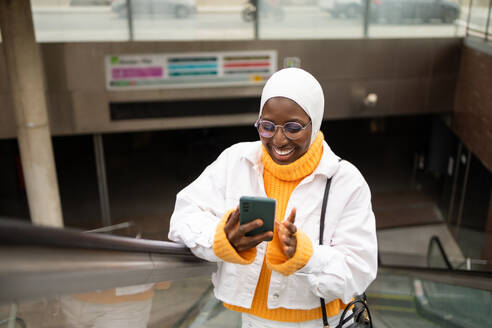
236 233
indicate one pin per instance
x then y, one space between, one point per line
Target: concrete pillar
26 78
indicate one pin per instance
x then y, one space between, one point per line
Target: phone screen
252 208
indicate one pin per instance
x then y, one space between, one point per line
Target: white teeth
283 152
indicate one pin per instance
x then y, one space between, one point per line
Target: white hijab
301 87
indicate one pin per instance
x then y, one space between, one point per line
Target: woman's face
282 150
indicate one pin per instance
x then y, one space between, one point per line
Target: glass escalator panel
436 255
401 300
148 305
461 306
209 312
100 278
396 300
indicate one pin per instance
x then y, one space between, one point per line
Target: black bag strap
358 310
321 231
323 211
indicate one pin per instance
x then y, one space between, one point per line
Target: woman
279 283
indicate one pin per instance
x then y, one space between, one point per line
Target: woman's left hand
286 232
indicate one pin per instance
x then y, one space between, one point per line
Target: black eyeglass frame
258 123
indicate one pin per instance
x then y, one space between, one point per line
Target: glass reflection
112 20
459 304
310 19
209 312
117 307
436 258
172 8
478 16
428 303
77 20
187 19
490 25
406 18
150 305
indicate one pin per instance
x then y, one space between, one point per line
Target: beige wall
410 76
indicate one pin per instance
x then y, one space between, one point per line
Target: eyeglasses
292 130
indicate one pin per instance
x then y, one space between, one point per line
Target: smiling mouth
283 152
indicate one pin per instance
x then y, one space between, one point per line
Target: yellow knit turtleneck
280 181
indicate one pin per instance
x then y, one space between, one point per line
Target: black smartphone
252 208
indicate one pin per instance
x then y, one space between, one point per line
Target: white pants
80 314
251 321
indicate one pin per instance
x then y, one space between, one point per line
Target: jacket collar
329 163
327 166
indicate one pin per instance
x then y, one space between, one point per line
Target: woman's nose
279 137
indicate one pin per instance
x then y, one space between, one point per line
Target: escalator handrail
471 279
42 262
15 232
437 271
435 240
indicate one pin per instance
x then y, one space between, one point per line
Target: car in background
347 8
395 11
176 8
90 2
299 2
398 11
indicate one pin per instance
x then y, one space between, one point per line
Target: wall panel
410 76
473 106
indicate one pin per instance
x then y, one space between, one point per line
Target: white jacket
342 267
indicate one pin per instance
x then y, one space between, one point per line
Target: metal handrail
14 232
471 279
453 275
436 241
41 262
467 262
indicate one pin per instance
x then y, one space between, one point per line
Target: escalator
438 295
66 278
399 297
46 274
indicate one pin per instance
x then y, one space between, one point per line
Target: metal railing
473 31
451 263
40 262
366 19
465 278
414 266
433 243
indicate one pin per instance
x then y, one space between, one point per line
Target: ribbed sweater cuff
277 261
225 251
